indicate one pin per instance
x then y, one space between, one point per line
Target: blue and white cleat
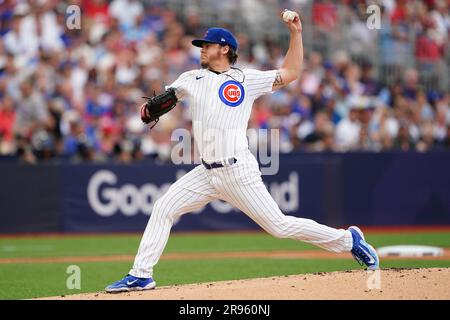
363 252
131 283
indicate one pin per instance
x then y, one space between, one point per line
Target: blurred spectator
32 112
441 21
371 85
7 119
445 144
321 139
324 19
428 49
403 142
324 15
97 10
348 130
126 11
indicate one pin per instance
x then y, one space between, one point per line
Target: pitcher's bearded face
210 53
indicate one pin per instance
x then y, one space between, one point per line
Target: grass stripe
128 244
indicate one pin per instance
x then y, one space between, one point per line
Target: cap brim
199 42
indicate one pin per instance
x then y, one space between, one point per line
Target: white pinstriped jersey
220 105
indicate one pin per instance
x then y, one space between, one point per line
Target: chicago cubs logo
231 93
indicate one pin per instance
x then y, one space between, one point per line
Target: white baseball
288 16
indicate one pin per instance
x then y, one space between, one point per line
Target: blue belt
213 165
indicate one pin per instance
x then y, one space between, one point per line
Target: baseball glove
157 106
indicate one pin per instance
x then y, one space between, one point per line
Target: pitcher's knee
161 210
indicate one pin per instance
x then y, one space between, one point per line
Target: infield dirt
432 283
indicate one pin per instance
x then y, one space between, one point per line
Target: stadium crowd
74 93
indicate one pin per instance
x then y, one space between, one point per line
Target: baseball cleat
131 283
363 252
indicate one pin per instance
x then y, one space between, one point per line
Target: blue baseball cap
217 35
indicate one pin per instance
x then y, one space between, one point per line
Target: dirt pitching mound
384 284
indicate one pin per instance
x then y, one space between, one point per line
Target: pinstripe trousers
240 185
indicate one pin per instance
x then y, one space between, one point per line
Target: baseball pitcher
220 99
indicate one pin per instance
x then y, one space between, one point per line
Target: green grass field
29 280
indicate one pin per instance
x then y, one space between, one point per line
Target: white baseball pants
240 185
